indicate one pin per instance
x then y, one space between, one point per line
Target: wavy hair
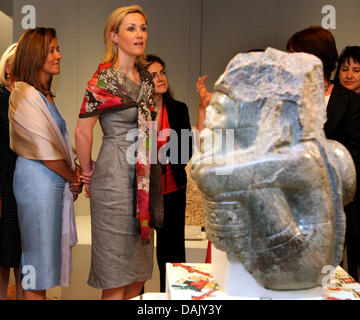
31 53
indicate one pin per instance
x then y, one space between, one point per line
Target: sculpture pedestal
235 280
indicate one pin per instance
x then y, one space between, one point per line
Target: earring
116 49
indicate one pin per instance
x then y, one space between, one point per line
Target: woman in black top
172 114
342 125
348 69
10 242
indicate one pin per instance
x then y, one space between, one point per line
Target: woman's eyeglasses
158 74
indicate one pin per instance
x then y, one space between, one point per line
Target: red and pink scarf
106 93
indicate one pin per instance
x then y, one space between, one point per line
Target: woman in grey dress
120 95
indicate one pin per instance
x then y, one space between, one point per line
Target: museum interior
204 37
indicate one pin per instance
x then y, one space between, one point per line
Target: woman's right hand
204 95
84 141
76 187
204 99
86 178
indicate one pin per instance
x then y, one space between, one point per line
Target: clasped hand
86 178
76 187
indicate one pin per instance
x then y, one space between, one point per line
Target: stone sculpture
276 205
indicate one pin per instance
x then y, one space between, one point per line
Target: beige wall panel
231 26
6 34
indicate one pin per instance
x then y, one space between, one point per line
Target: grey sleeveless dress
118 258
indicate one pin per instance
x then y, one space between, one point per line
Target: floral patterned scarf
106 92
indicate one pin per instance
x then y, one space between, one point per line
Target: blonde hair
112 24
5 61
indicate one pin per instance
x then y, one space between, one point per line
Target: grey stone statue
277 204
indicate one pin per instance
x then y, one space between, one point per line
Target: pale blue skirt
39 196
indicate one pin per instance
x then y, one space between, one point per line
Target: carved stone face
219 111
279 210
224 112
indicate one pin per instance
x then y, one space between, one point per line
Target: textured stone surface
275 200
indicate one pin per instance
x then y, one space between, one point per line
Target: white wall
193 36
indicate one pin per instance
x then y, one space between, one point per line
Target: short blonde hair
112 24
4 62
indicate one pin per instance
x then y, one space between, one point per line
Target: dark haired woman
343 123
348 69
44 168
173 115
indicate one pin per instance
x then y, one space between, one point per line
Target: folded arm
62 169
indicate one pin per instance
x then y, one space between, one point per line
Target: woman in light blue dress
44 166
40 224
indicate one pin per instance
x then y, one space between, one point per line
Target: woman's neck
9 85
126 65
158 98
328 86
44 79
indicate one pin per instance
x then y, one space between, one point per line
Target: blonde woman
120 96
